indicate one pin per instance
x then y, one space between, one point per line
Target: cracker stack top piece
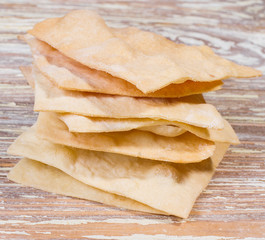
147 60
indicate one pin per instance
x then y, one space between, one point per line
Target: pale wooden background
233 205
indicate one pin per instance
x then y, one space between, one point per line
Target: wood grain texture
232 206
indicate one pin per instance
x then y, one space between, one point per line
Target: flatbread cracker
190 110
168 187
69 74
147 60
41 176
76 123
226 134
182 149
85 124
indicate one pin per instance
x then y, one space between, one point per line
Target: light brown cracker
190 110
69 74
182 149
38 175
86 124
168 187
147 60
76 123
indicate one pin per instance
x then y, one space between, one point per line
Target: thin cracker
86 124
190 110
182 149
68 74
76 123
171 188
147 60
42 176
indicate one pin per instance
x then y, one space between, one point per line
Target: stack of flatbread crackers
122 120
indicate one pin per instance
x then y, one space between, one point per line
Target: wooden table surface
232 206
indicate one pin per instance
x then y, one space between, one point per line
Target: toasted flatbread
69 74
147 60
76 123
167 187
191 110
39 175
181 149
